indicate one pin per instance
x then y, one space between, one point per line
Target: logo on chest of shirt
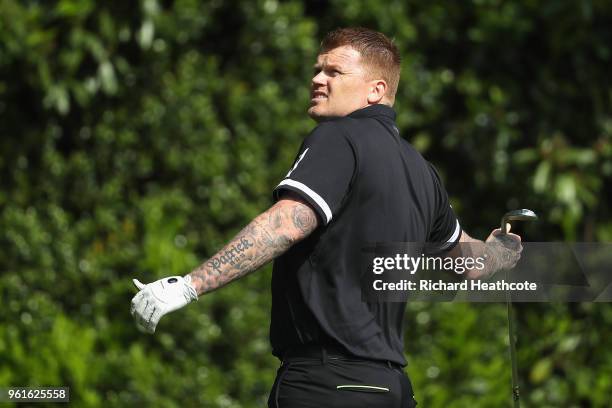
296 163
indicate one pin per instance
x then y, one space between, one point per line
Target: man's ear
378 90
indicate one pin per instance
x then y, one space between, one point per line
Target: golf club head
517 215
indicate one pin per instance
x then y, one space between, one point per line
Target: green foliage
137 138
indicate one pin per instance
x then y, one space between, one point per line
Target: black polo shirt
367 185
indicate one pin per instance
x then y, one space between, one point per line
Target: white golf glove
160 298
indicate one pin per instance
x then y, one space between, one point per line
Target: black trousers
339 382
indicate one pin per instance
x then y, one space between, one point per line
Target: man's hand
503 249
159 298
500 251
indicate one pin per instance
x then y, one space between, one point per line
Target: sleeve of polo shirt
446 229
322 171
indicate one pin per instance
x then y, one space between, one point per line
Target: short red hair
379 54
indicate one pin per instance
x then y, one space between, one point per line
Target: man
354 182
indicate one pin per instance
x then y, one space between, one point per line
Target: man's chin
315 114
318 114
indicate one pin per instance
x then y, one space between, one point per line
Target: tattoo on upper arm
304 218
275 219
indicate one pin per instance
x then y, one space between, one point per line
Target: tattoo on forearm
497 256
266 237
231 255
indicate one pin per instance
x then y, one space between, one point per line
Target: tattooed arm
268 236
499 251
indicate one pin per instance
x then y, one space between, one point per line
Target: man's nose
319 79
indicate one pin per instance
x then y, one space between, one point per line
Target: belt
329 352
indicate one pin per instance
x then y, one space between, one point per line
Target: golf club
516 215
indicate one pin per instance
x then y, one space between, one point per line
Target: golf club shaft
511 338
511 335
516 215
